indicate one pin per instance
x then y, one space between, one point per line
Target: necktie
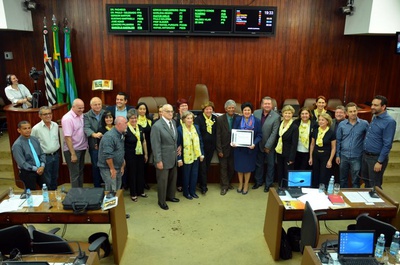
35 156
230 122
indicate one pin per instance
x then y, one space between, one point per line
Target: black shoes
188 197
224 191
203 191
266 189
173 200
163 206
256 186
195 196
146 186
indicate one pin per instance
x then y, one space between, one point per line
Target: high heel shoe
239 191
245 192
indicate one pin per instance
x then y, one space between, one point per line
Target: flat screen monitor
299 178
255 20
212 19
170 19
398 42
125 19
356 243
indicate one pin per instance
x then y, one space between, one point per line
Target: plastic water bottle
380 247
29 198
330 185
45 193
394 246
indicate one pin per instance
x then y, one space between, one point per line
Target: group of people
120 139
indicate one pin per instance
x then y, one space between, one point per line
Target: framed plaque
242 138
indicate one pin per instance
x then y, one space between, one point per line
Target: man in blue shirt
350 136
377 143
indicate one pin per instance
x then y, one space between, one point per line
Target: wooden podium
15 115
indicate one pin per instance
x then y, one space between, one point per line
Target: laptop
357 245
298 179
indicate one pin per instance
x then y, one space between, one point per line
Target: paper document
12 204
37 200
360 196
318 201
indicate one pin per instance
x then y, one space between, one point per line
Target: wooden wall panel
308 56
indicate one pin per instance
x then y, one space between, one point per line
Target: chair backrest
309 228
47 243
151 104
160 101
200 96
16 236
309 103
294 103
334 102
366 222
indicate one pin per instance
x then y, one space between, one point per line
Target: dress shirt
169 122
23 155
48 138
122 113
14 95
350 138
380 134
72 126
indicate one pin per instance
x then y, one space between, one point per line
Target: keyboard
359 261
295 192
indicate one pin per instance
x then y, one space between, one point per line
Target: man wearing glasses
164 144
47 133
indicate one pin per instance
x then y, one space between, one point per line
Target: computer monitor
398 42
299 178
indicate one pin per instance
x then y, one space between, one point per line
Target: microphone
372 193
281 190
323 254
23 194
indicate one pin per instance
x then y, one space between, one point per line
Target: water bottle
380 247
45 193
330 185
29 198
397 262
394 246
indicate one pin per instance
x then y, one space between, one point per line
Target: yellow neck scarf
209 123
143 121
136 132
191 144
304 133
282 130
321 134
316 113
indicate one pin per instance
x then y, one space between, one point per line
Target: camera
34 74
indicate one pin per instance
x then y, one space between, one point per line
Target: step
394 164
5 154
391 176
6 165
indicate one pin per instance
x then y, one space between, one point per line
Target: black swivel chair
310 232
12 237
366 222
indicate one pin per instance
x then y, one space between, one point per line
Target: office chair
160 101
334 102
12 237
151 104
366 222
309 103
310 232
200 96
294 103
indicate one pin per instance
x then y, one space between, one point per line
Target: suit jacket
112 109
289 141
224 135
91 125
269 129
164 143
180 141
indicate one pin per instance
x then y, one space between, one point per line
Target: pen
22 203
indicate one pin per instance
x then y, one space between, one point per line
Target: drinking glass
336 188
10 192
58 195
321 188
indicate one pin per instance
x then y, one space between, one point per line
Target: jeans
51 170
94 157
269 176
111 184
354 166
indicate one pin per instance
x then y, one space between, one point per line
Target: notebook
357 245
298 179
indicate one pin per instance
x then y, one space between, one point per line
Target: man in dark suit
224 149
163 139
120 108
270 121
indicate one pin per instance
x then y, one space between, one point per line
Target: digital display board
193 20
170 19
128 19
212 19
255 20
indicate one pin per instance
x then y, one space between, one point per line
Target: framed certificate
242 137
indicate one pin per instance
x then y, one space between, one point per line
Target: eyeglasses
169 111
47 114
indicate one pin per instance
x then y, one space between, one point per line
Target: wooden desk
93 258
309 257
276 213
116 217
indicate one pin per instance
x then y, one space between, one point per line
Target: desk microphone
23 194
281 190
372 193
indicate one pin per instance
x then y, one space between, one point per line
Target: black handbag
81 200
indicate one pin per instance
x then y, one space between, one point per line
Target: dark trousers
203 168
166 184
226 167
31 179
76 169
135 174
94 157
282 169
51 170
321 174
190 173
301 162
367 170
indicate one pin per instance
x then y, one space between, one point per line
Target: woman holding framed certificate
246 133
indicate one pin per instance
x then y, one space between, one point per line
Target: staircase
392 172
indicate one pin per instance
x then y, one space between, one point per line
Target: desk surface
276 213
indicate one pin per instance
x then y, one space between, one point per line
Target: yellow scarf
209 123
321 134
304 133
108 128
136 132
191 144
282 130
316 113
143 121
